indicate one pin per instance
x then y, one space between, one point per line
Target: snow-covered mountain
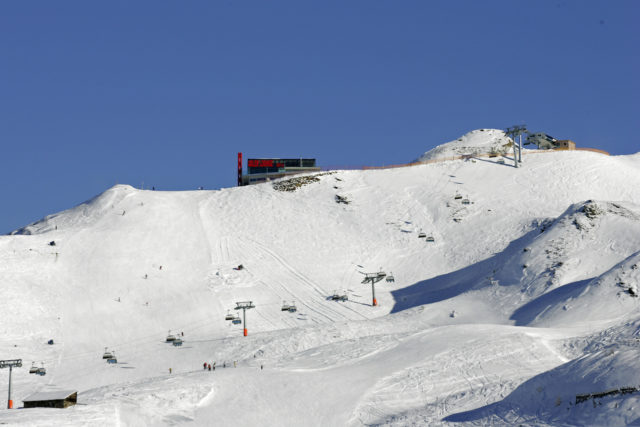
475 143
526 298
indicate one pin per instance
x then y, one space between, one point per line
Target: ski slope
526 298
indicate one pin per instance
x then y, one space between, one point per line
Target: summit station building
263 170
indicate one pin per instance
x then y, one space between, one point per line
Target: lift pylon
373 278
10 364
244 306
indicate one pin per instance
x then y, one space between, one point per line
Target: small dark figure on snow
209 367
205 365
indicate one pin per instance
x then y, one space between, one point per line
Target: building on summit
263 170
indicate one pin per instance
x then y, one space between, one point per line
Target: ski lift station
262 170
52 399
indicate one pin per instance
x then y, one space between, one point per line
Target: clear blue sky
167 92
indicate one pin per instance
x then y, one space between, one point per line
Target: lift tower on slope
10 364
514 131
373 278
244 306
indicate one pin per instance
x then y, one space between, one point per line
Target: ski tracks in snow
312 297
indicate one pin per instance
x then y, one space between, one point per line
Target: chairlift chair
41 371
458 196
107 354
465 201
422 235
292 308
33 368
390 277
170 337
228 316
236 320
344 297
430 239
177 342
501 161
335 296
112 359
285 306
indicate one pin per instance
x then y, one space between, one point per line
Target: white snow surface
527 298
476 142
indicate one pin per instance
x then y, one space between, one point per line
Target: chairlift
422 235
170 337
335 296
33 368
501 161
465 201
344 297
236 320
458 196
390 277
41 371
292 308
107 354
177 342
112 359
285 306
228 316
430 239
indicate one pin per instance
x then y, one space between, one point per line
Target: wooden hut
52 399
566 144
